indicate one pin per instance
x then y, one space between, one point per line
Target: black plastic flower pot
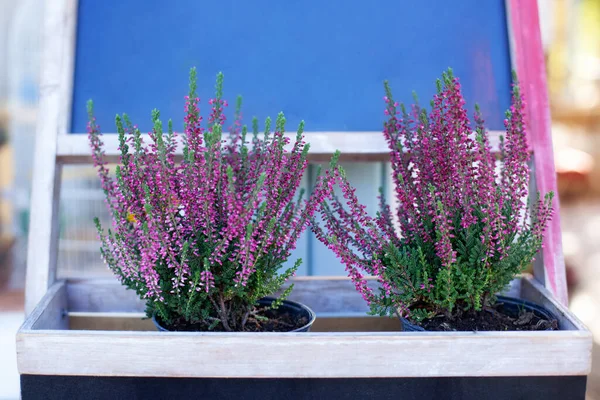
510 305
407 326
297 310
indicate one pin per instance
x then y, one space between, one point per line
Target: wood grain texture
528 60
102 295
354 146
321 293
46 347
67 76
318 355
326 322
337 351
74 148
51 312
43 228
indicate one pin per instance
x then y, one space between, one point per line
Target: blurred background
571 36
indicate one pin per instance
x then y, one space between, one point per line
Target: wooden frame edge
47 348
304 355
51 311
45 192
354 146
527 56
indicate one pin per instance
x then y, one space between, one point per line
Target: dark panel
90 388
321 61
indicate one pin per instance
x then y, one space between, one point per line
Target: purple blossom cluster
203 238
462 228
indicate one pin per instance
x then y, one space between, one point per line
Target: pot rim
499 299
267 299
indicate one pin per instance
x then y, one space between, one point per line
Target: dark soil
496 318
279 320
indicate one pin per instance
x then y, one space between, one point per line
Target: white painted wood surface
354 146
527 58
42 349
43 228
68 66
74 148
56 144
321 294
326 322
324 295
303 355
46 346
51 312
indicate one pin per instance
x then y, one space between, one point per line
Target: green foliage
201 241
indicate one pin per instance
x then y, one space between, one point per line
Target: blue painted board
321 61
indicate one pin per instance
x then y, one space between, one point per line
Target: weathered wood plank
354 146
110 321
43 350
51 312
322 294
349 322
74 148
102 295
43 228
289 355
527 57
68 65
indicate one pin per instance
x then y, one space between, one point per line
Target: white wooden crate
95 328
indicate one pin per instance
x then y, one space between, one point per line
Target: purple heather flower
460 217
205 237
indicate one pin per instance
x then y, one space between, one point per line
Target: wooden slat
326 322
321 294
354 146
43 229
324 295
102 295
44 350
68 68
303 355
44 347
527 56
364 146
51 312
110 321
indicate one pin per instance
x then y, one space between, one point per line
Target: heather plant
203 239
461 229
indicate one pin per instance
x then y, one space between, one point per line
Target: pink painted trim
528 61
